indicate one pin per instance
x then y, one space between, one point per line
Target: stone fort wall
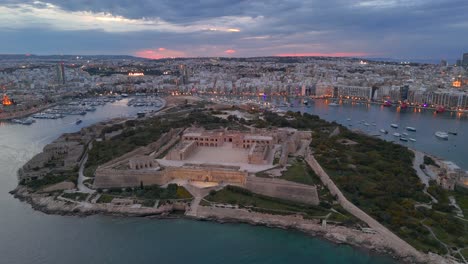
110 178
207 174
283 189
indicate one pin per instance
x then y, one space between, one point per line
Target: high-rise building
184 73
465 60
60 73
404 92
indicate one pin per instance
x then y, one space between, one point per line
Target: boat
441 135
366 124
90 109
78 121
387 103
440 109
333 104
404 133
394 125
412 139
397 134
306 102
141 113
403 139
28 121
453 133
348 119
384 131
411 129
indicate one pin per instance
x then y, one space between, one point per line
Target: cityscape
234 132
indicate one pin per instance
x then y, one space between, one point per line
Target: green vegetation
300 172
50 179
429 161
150 193
105 198
464 252
264 204
378 176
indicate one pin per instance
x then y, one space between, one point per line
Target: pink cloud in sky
230 51
319 54
159 53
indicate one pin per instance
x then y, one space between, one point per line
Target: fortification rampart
283 189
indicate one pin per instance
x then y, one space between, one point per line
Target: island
233 163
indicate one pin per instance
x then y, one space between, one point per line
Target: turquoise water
28 236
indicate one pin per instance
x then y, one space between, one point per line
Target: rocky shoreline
371 242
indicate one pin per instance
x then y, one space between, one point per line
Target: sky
416 29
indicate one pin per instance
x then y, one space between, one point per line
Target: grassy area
75 196
90 170
151 193
300 172
105 198
464 252
88 182
50 180
462 201
182 193
264 204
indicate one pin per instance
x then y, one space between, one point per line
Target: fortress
219 157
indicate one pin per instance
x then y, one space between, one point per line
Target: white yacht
411 129
397 134
441 135
383 131
394 125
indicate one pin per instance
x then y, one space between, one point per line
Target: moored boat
394 125
78 121
411 129
440 109
397 134
412 139
441 135
384 131
403 139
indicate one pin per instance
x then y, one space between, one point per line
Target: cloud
318 54
230 51
392 28
159 53
48 15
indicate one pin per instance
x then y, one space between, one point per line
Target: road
81 178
